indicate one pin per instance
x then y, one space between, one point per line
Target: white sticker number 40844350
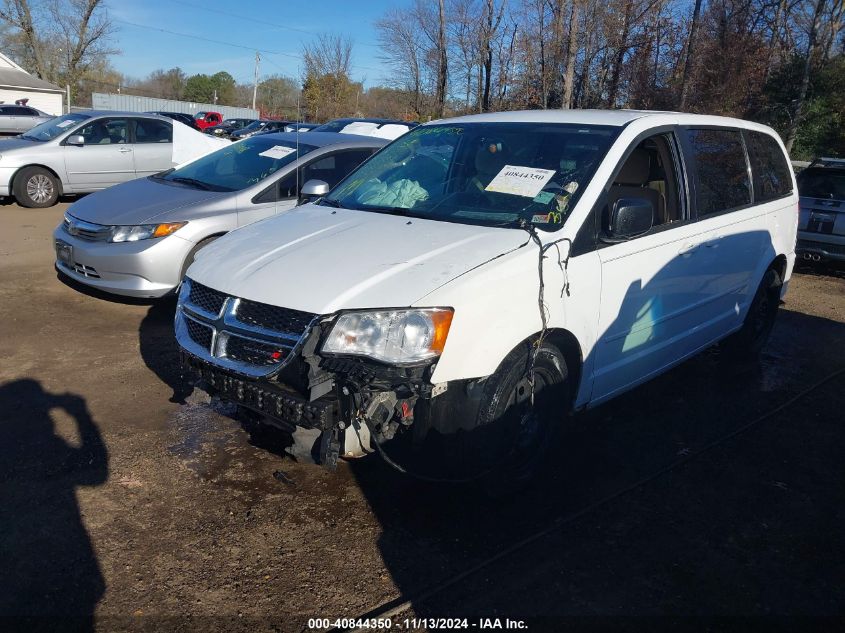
520 181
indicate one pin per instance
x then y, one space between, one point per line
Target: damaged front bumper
265 359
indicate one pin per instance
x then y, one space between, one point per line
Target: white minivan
480 276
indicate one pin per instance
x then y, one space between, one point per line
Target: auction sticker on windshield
66 123
520 181
277 151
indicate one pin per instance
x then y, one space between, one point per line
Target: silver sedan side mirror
314 189
76 139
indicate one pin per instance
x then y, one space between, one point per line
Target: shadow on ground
49 570
749 528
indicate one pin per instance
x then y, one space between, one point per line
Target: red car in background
207 119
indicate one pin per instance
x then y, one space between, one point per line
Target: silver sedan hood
140 201
320 259
14 143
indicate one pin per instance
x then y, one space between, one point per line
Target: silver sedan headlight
143 231
397 337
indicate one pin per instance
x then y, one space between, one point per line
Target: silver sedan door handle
123 150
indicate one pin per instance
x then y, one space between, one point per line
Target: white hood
320 259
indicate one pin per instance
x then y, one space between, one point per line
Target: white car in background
16 119
382 128
87 151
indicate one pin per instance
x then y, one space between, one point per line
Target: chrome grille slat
85 230
211 325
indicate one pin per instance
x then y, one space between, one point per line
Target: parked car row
461 287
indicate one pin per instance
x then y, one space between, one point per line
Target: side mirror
312 190
629 218
76 139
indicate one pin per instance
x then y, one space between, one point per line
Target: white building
16 83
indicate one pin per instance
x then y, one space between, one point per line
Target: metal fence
131 103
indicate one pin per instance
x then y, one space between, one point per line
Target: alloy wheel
39 188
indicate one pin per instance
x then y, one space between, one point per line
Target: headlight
392 336
143 231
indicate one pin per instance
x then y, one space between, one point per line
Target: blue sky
145 46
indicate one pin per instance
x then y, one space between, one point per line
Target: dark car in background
225 129
259 127
821 226
183 118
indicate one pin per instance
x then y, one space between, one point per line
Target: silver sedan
83 152
138 238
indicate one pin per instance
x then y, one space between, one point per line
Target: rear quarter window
771 173
721 172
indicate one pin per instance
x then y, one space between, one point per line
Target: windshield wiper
30 138
199 184
326 202
388 210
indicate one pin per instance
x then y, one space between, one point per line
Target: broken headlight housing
398 337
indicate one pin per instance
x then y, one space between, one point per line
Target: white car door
105 159
653 289
734 230
152 146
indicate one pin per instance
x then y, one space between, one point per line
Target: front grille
199 333
206 299
272 317
833 249
254 352
243 336
86 230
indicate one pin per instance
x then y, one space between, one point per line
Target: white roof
597 117
6 62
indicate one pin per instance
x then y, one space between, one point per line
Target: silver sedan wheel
39 188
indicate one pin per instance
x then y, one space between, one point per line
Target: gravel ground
128 502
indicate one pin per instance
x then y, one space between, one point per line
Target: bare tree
442 62
62 39
812 36
690 56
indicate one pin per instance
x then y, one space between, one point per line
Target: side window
721 172
770 171
106 132
152 131
334 167
650 174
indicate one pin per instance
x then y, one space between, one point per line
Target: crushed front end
267 359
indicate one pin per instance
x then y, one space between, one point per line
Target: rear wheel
748 342
35 188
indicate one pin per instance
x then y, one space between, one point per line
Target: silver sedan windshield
49 130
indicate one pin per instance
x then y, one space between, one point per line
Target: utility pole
215 96
255 85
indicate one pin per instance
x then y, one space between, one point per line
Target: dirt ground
127 502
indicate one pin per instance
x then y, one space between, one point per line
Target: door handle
688 249
123 150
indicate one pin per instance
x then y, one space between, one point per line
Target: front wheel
512 435
35 188
749 340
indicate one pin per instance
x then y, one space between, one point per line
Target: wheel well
197 246
44 167
568 345
779 265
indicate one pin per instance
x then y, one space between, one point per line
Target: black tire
511 439
36 188
747 343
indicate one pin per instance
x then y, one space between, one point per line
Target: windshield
333 126
495 174
239 165
49 130
199 115
822 182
